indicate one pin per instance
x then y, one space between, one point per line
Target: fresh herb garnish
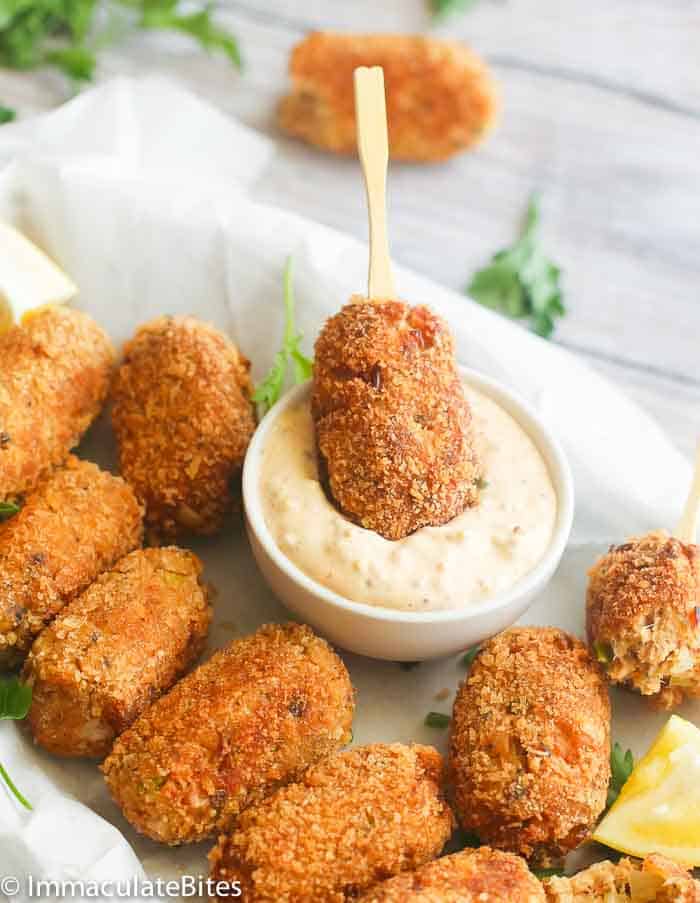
520 281
603 652
63 33
437 719
15 700
267 393
547 873
7 114
8 509
470 655
621 766
442 8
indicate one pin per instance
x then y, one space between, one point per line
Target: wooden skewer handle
687 529
373 147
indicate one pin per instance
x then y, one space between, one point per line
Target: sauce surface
482 552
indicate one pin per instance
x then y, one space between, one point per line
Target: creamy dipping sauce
480 553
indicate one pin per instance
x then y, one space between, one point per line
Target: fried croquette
472 876
115 649
249 720
656 880
77 524
530 744
393 427
55 375
441 98
352 820
643 616
183 418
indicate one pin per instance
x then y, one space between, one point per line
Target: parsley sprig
442 8
69 34
15 700
621 766
7 510
7 114
521 282
268 392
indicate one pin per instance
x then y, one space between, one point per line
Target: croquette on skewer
392 424
441 98
530 744
54 378
248 720
471 876
77 524
114 649
352 820
183 418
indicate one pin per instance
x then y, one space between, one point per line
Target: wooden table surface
601 114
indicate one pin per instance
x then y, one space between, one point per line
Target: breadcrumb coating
656 880
115 649
352 820
441 98
77 524
392 424
472 876
183 418
643 616
249 720
530 744
54 378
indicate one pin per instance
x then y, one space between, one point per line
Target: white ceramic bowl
402 635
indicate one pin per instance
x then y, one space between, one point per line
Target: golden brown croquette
472 876
114 649
643 616
530 744
54 378
77 524
183 419
352 820
656 880
441 98
249 720
392 424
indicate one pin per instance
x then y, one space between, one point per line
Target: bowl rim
536 428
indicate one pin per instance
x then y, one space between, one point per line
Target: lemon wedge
658 810
28 278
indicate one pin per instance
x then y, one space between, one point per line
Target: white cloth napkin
145 195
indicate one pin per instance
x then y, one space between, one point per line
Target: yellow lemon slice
28 278
658 810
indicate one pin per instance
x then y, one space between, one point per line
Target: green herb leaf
542 874
8 509
521 282
15 700
268 392
470 655
437 719
7 114
199 25
621 766
441 8
603 652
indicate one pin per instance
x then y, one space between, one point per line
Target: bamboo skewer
687 529
373 147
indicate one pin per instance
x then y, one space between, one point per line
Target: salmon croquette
183 418
351 821
441 98
113 650
55 375
247 721
472 876
530 744
643 617
393 427
77 524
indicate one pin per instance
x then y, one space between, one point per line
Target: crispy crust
115 649
183 419
656 880
392 424
352 820
441 98
249 720
54 378
530 744
472 876
643 616
76 525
